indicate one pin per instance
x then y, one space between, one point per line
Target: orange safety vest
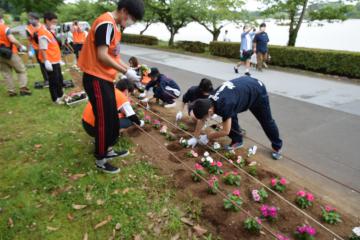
78 36
4 40
88 60
32 30
53 53
88 114
146 79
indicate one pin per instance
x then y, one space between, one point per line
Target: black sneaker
115 154
108 168
236 70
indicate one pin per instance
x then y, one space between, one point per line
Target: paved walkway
312 89
306 109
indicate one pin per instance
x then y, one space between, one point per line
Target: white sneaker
60 101
171 105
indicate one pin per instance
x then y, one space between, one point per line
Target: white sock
100 162
247 70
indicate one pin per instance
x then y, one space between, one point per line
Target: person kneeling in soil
194 93
127 116
164 88
230 99
142 71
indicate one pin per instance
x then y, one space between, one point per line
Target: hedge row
139 39
324 61
195 47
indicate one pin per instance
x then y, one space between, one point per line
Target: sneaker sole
109 172
232 149
118 156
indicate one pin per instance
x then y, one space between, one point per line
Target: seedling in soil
240 161
156 124
147 119
252 170
305 232
183 142
199 171
215 168
192 154
331 216
170 137
233 202
269 213
259 195
213 185
252 225
278 185
304 199
231 155
232 178
164 130
140 114
183 126
207 160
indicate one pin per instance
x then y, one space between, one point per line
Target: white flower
216 146
206 154
356 231
253 164
210 160
202 159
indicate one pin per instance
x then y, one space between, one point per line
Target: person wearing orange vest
79 37
10 60
32 35
100 61
50 56
126 113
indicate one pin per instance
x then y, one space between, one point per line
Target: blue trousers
165 96
262 112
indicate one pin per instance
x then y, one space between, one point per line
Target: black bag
5 52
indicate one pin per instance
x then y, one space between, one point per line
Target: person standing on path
226 36
33 37
50 56
10 60
245 49
79 37
100 61
260 46
230 99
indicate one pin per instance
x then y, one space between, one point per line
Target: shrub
330 215
139 39
195 47
341 63
252 225
233 198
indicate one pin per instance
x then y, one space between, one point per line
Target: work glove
179 116
142 123
143 95
131 75
48 66
22 48
31 54
192 142
203 140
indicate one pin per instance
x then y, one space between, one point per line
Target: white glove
48 66
142 123
31 54
192 142
142 95
203 140
179 116
23 48
62 63
131 75
214 117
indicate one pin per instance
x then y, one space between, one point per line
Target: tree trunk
216 35
292 38
146 28
171 41
293 32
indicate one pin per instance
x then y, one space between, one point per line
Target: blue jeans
262 112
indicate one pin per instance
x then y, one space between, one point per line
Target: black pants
262 112
77 49
56 82
124 123
42 67
101 95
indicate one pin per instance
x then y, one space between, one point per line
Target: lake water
339 35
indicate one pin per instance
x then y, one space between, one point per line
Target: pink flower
258 220
272 211
147 117
219 164
283 181
273 182
311 231
236 192
213 164
198 167
310 197
257 198
329 208
264 210
301 193
231 161
301 229
281 237
235 172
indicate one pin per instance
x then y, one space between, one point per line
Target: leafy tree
175 14
211 14
297 10
150 17
19 6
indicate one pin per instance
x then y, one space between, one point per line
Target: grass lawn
42 148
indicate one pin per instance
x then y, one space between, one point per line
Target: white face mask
53 28
129 22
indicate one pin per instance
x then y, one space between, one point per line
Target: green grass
41 145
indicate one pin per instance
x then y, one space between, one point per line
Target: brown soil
229 225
